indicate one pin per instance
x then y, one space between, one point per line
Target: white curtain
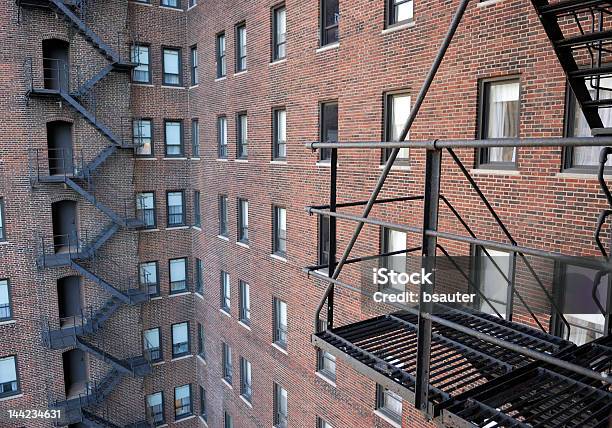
405 11
177 270
245 213
175 199
400 111
503 117
8 373
492 283
179 333
171 62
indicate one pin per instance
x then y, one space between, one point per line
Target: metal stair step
594 37
568 6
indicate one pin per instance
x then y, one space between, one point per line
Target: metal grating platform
541 395
385 349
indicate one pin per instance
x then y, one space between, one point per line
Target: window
280 134
195 138
152 344
279 33
174 138
141 56
242 135
280 232
147 273
280 323
280 406
326 364
201 342
142 137
330 15
176 209
322 423
193 58
180 339
246 387
182 402
223 215
155 409
197 218
192 3
178 275
586 322
389 403
324 241
227 420
499 118
397 110
199 276
222 137
6 312
2 227
399 11
245 302
586 158
171 3
329 127
220 48
241 47
493 274
203 413
394 240
225 292
243 221
145 209
226 355
9 383
171 65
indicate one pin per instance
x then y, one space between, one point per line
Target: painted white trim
284 351
328 47
277 257
395 28
487 171
387 419
488 3
326 379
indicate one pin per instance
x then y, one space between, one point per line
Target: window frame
203 411
162 405
276 143
154 209
322 423
201 341
2 221
390 18
276 56
187 414
193 65
323 29
199 276
186 280
226 363
280 420
388 123
178 4
149 68
244 302
159 350
17 382
239 55
325 154
381 405
227 420
183 210
197 208
140 138
242 142
243 227
276 238
9 304
322 254
321 357
181 144
148 285
183 353
226 292
222 138
221 56
278 329
195 138
477 256
223 211
482 154
246 388
180 63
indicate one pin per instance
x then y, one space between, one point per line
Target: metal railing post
431 204
332 236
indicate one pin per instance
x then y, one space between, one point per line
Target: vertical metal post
430 222
332 234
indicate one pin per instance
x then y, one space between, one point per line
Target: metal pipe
358 203
457 143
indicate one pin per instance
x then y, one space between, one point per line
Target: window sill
326 164
186 418
173 87
158 363
149 230
277 257
145 158
278 162
144 85
177 158
229 385
184 357
12 397
179 294
4 243
241 73
326 379
247 402
196 158
587 175
278 61
399 27
396 167
202 359
199 295
141 3
198 228
248 327
284 351
224 312
156 298
177 227
8 322
488 3
387 419
194 86
223 238
221 160
241 160
491 171
203 421
176 9
331 46
242 244
220 79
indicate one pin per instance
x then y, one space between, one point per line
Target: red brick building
154 179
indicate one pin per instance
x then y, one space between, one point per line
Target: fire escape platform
385 350
541 395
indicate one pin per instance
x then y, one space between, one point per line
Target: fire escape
456 364
79 251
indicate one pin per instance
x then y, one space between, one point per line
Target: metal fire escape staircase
81 256
460 366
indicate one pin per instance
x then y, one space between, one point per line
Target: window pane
179 333
5 307
395 240
177 270
492 283
151 338
403 10
8 375
173 138
171 66
142 137
502 118
400 110
148 273
140 56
